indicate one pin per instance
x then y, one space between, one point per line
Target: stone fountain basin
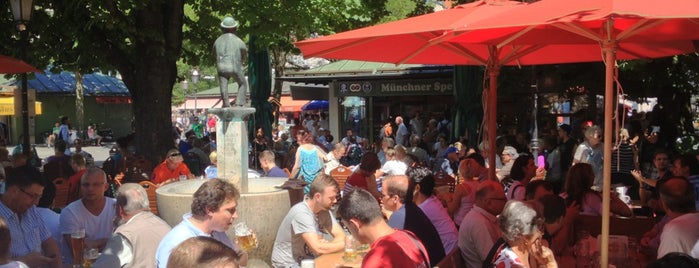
263 208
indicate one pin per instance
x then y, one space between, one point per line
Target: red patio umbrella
559 31
409 40
9 65
422 40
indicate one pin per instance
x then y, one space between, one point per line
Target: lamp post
22 13
195 81
185 85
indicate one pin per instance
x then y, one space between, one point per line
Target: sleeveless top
310 166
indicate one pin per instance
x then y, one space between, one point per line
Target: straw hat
229 23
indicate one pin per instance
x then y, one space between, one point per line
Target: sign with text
394 87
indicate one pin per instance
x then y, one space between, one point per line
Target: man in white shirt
680 234
93 212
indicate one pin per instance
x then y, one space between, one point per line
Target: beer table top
333 260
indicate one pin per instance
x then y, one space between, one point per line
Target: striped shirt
27 233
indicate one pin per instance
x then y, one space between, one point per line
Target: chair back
150 190
441 178
340 175
62 192
57 169
194 164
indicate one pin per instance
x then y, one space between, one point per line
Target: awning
289 105
201 103
113 99
306 92
7 106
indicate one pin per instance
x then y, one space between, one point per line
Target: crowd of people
414 197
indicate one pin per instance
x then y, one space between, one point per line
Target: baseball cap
450 150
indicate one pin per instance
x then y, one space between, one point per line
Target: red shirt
358 179
74 185
161 173
396 250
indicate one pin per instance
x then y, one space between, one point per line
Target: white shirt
394 167
680 235
76 216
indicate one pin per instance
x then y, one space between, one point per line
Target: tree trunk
79 103
150 75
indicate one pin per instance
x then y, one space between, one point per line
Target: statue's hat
229 23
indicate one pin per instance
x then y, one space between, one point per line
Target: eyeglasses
32 195
174 155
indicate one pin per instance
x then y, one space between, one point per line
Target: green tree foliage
140 39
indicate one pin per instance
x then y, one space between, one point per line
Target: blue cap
450 150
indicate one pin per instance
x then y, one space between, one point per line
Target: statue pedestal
232 144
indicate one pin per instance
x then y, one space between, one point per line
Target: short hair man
408 216
402 134
688 166
30 237
93 212
89 160
171 169
680 234
214 208
309 229
269 167
135 240
389 247
479 229
202 251
422 183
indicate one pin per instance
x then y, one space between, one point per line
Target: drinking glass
246 239
77 244
350 249
90 256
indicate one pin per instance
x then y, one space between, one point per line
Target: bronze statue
230 53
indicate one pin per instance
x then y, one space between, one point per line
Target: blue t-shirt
276 172
183 231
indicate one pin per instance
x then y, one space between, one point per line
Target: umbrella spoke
430 42
640 26
578 29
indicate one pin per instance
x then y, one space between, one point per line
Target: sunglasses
174 155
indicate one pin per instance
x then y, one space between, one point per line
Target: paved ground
98 153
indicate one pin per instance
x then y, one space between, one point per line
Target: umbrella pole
493 72
609 50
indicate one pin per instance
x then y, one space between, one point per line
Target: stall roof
95 84
352 70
